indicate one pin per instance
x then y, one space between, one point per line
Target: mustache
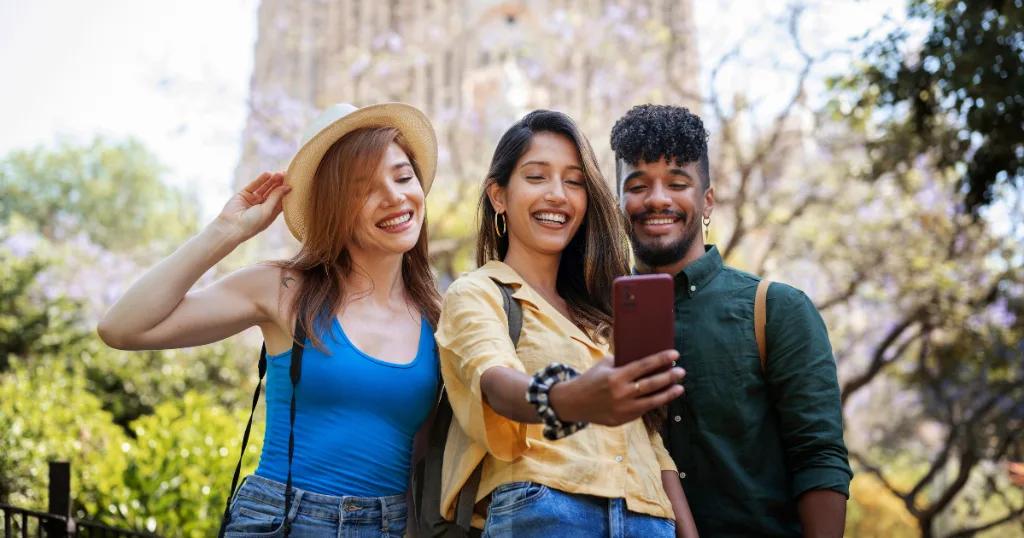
637 217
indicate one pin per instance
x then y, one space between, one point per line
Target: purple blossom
21 244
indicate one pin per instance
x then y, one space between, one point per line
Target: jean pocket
251 520
514 496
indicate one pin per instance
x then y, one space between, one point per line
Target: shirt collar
697 275
501 272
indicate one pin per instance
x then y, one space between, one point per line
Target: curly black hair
650 132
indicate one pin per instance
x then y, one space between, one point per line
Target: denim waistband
318 505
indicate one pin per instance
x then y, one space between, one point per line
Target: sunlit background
867 152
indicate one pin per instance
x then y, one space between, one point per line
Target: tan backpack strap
760 314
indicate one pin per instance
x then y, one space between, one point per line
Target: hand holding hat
252 209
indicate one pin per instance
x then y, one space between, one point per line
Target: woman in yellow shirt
556 425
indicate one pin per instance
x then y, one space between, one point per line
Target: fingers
628 411
262 192
255 184
657 399
658 382
649 365
276 196
270 184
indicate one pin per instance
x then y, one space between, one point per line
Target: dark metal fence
57 520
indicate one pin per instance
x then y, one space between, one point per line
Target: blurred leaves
152 436
180 465
957 99
46 413
29 324
109 191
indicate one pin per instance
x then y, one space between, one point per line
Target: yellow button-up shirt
472 336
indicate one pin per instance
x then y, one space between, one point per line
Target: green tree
957 98
30 324
110 191
63 393
47 414
179 467
37 319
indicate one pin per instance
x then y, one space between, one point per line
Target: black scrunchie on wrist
538 395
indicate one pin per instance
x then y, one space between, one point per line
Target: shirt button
618 459
693 288
682 474
677 418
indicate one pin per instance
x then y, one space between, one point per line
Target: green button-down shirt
748 443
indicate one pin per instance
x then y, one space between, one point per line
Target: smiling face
545 200
391 218
665 203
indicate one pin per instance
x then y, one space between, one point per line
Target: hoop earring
500 230
707 227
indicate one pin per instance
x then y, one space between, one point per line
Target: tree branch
877 472
878 359
971 531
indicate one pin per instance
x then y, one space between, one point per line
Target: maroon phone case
644 316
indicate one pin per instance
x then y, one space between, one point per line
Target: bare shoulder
272 287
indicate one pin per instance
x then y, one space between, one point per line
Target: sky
176 74
173 74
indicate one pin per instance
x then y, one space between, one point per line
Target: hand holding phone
640 377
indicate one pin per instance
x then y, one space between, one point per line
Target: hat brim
413 124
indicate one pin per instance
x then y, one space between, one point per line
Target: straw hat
339 120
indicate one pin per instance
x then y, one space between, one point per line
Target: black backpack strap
245 441
295 372
513 310
467 496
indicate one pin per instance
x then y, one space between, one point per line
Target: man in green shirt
760 453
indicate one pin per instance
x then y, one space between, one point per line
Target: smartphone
644 316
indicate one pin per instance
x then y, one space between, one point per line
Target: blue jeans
526 509
258 510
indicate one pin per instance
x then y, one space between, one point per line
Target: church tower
474 66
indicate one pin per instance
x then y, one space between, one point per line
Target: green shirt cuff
813 478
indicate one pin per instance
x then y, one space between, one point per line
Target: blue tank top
355 417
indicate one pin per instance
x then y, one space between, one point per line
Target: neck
538 270
693 254
375 278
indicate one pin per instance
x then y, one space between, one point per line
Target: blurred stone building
473 66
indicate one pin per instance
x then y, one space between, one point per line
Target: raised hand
610 395
252 209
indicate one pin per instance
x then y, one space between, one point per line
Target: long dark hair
598 252
340 186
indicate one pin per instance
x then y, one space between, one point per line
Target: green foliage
172 477
129 384
132 383
151 436
110 191
179 467
959 98
29 323
46 413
